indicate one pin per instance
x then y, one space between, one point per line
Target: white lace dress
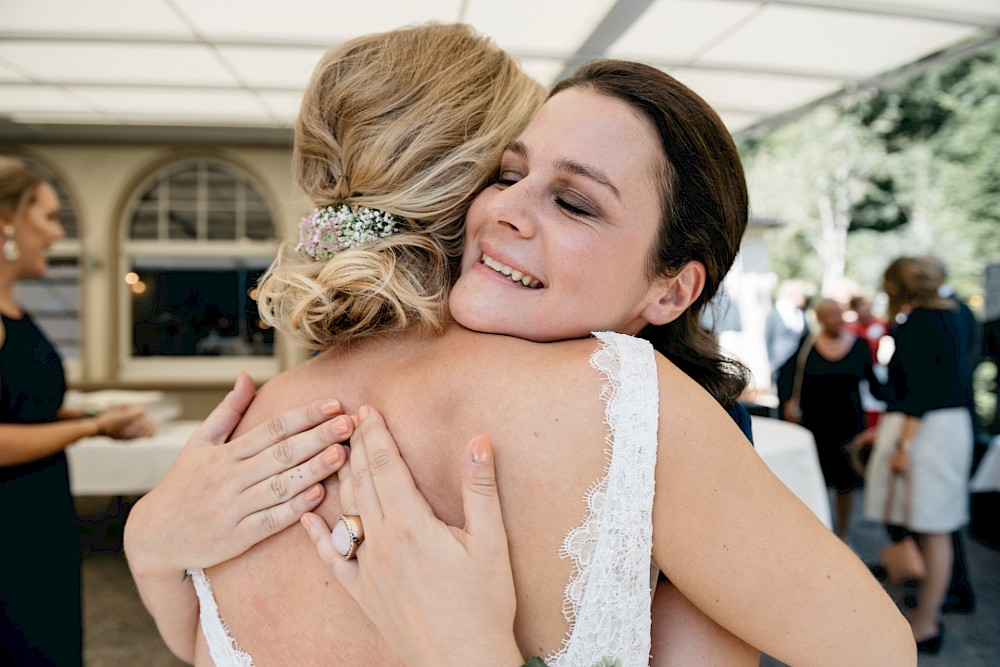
609 594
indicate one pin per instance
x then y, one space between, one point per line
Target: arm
218 500
30 442
718 507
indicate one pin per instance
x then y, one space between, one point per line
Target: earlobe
672 296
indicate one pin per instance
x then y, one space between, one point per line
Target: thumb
220 423
480 499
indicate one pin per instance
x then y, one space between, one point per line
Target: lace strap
608 596
222 647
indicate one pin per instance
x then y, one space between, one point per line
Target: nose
512 211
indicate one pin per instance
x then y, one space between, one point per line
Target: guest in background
785 326
819 387
925 436
960 597
40 618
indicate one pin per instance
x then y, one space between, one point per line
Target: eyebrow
572 166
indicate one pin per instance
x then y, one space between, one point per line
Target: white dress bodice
609 594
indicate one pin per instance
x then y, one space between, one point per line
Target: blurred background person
866 326
785 326
960 597
40 610
926 435
819 387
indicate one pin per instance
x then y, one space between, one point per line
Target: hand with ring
220 498
404 566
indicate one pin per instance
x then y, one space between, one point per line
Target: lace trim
222 647
608 596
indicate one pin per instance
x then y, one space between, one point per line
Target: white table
105 467
987 477
789 450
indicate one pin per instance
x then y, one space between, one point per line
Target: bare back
541 406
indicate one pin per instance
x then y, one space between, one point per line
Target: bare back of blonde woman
595 215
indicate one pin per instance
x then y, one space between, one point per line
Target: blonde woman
42 549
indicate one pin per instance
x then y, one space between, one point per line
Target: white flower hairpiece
326 231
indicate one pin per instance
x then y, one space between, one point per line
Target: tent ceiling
221 63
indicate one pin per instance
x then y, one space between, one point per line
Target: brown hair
705 207
411 122
909 281
18 188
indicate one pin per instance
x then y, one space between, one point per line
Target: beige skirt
940 461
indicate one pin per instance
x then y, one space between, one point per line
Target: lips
514 274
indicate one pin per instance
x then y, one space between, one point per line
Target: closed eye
575 210
506 178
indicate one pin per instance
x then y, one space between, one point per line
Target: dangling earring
11 252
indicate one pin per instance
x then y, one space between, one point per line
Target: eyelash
560 202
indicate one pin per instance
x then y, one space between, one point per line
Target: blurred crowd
889 400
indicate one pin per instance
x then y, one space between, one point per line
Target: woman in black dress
824 396
40 614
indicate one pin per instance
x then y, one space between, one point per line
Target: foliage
916 164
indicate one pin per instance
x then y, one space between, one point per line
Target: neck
8 306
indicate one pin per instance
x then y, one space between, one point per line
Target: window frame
186 370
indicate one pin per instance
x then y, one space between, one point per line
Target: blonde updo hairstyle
18 189
411 122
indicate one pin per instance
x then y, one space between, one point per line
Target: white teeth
513 274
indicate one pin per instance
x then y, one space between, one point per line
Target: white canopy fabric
229 63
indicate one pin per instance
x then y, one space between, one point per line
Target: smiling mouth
515 275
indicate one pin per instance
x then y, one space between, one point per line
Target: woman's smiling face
560 245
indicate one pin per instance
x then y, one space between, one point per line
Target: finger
284 484
365 494
285 425
480 499
226 415
267 522
295 450
347 504
346 571
387 471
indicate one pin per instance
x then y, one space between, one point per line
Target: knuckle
361 476
379 460
483 487
279 486
284 452
268 522
276 427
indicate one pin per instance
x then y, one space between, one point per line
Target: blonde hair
909 281
18 188
411 122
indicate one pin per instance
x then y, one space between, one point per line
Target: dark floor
118 631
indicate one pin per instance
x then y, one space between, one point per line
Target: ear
672 296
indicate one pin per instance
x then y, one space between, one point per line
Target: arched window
198 234
54 299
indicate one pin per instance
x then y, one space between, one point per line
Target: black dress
40 608
831 409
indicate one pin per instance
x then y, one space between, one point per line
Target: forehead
602 131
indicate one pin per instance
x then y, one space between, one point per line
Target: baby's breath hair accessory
328 230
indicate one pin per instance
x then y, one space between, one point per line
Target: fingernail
481 449
332 456
305 521
363 412
314 493
341 426
331 407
